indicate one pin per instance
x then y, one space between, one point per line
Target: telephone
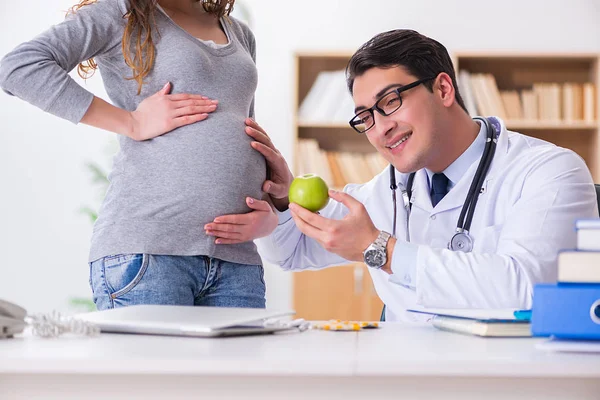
12 319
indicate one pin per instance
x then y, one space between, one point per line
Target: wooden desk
390 363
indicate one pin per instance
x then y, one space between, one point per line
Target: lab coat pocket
488 239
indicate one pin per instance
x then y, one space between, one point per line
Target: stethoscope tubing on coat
461 240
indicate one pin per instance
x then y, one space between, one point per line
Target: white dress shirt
531 196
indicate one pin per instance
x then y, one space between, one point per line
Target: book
588 234
589 104
568 102
566 310
480 322
497 328
481 95
512 104
481 314
494 96
579 266
466 90
314 96
530 105
327 100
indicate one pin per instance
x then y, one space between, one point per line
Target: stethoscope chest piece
461 241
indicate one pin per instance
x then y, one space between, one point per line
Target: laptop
194 321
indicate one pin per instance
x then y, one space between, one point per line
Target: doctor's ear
444 89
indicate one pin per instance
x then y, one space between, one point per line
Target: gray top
162 191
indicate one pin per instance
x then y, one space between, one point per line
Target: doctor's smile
396 145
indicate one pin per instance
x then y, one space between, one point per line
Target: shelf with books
552 96
325 144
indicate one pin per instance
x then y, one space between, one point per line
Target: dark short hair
420 55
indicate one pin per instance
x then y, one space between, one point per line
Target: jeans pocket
123 272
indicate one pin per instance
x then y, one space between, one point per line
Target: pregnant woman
181 77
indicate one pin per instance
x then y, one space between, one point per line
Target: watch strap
382 240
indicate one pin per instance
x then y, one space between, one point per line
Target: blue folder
568 311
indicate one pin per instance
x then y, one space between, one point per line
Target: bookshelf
564 87
321 126
344 292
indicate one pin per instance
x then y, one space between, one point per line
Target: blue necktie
439 188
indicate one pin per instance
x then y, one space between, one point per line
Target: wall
44 239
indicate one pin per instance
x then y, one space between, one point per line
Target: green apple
309 191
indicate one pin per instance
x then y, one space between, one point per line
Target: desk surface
393 350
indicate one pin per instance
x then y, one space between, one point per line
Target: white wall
44 239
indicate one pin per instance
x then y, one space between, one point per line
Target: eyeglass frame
397 90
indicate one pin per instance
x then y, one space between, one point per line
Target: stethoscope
461 240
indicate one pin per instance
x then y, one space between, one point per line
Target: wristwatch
375 255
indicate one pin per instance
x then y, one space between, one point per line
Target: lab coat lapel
420 192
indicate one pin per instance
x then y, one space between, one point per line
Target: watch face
374 258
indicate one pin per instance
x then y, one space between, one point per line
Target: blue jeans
128 279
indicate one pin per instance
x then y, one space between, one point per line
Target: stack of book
328 100
551 102
570 310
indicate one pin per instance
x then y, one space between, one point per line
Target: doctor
485 213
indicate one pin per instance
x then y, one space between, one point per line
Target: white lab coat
532 195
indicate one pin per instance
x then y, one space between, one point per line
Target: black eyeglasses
386 105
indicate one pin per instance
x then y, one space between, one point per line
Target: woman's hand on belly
163 112
239 228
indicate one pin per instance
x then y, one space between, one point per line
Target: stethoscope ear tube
469 206
486 167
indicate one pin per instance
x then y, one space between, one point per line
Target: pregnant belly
190 183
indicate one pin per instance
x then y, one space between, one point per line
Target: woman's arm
37 72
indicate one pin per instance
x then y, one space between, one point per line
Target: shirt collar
459 167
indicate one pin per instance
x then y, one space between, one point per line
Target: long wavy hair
139 29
